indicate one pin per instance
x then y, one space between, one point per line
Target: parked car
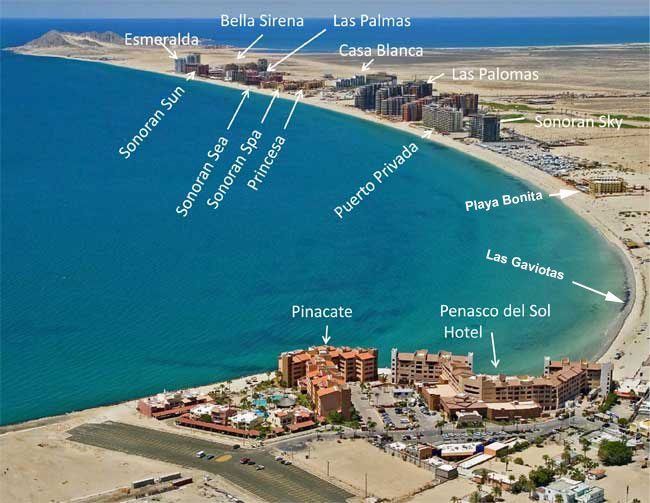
235 447
244 461
251 462
259 467
209 457
200 454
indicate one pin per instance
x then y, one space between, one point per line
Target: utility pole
366 486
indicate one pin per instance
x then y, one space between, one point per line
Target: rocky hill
54 38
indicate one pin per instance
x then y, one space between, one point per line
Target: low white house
571 491
246 420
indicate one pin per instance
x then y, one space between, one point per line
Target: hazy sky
320 8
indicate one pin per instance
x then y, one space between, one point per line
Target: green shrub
614 453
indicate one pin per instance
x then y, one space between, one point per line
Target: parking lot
275 483
415 417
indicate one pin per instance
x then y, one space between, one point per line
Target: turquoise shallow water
107 294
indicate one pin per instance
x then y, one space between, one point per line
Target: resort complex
430 410
448 382
313 386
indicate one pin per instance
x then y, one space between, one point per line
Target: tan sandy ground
444 492
40 465
388 476
619 478
627 148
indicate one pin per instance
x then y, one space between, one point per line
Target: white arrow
273 66
433 79
299 95
242 54
514 119
276 93
494 360
190 76
365 66
564 193
172 54
609 296
427 133
244 95
326 338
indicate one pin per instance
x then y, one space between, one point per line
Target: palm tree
531 488
506 460
566 454
496 491
456 499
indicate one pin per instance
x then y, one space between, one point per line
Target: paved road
276 483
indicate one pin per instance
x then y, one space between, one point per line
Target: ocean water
426 32
108 295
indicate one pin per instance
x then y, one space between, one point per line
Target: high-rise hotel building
356 364
443 377
485 127
442 119
323 373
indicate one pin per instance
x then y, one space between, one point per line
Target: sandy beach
624 334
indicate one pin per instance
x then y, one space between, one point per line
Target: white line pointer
366 66
172 54
494 360
244 95
564 193
299 95
514 119
242 54
274 65
276 93
326 338
609 296
433 79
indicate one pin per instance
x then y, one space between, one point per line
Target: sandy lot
40 465
443 493
619 478
388 476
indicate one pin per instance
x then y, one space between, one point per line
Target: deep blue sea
108 295
425 32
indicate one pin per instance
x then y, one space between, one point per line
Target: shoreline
579 204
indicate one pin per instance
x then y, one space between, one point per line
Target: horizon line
320 17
